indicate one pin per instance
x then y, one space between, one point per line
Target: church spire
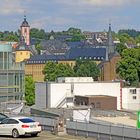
110 46
24 15
110 40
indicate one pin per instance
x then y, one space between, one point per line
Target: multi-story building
35 65
11 75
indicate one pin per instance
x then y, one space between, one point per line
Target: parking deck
47 136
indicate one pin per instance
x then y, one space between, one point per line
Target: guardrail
102 131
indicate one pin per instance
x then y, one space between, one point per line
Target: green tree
11 37
125 38
129 66
131 32
86 68
53 70
120 47
137 39
29 90
38 33
38 48
73 31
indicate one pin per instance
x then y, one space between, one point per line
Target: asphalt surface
46 136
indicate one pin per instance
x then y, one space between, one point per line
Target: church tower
111 48
25 31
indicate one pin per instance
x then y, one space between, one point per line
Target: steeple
25 23
110 46
24 17
110 41
25 32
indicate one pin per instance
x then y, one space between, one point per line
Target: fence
102 131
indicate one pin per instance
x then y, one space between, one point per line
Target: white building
61 93
131 98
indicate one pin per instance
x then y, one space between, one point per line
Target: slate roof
44 58
76 44
97 54
53 44
63 37
87 53
25 23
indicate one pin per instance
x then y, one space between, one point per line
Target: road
47 136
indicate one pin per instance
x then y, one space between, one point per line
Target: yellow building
22 54
35 65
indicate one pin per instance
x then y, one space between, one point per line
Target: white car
16 126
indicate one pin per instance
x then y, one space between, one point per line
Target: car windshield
26 120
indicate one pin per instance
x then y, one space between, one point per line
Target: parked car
3 116
16 126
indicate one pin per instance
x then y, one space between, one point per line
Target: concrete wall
131 98
58 91
40 95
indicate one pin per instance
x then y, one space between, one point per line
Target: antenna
109 22
24 15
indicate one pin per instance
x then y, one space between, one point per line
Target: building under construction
11 76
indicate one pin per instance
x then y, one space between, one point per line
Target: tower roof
25 23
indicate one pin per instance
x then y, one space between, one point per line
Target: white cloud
42 22
98 2
12 6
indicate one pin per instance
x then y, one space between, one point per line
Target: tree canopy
120 47
86 68
29 90
83 68
9 36
129 66
53 70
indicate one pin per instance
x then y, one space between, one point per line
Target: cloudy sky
58 15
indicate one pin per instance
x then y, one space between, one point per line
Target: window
26 120
4 121
133 91
12 121
134 97
25 30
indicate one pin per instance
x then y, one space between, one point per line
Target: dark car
3 116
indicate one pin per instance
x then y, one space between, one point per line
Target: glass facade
11 76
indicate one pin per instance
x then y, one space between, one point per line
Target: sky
59 15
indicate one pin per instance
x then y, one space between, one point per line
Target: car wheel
34 135
15 133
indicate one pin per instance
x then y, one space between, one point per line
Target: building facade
131 98
35 65
11 75
62 94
